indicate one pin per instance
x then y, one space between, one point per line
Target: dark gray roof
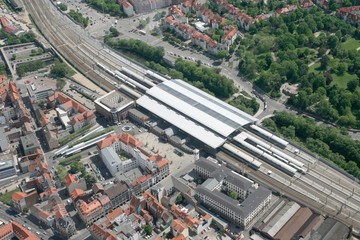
114 190
238 180
254 199
222 199
243 209
207 164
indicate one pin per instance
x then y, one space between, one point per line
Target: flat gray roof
113 100
29 141
6 164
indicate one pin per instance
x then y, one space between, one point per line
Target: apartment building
214 193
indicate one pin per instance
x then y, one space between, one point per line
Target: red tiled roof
76 193
123 137
178 225
14 229
70 178
114 214
18 196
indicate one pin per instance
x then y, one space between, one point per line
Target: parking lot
78 93
151 141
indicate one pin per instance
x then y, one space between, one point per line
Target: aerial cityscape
180 119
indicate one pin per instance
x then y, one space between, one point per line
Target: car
24 225
44 233
38 233
29 228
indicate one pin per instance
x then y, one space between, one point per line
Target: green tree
89 179
233 195
60 70
332 41
221 54
325 60
352 85
147 229
179 199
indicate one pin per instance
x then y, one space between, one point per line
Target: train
242 156
122 78
278 141
127 80
155 76
269 158
137 77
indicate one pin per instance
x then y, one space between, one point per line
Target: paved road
7 214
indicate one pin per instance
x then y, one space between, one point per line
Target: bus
142 32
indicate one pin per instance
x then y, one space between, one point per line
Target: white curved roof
194 105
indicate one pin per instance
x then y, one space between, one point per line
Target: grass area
91 136
70 137
6 198
315 67
351 44
342 81
60 83
69 160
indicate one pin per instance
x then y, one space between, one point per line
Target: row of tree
138 47
111 7
246 104
33 66
206 78
331 143
13 39
78 17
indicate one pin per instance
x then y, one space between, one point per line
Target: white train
269 158
155 76
280 142
240 155
125 79
137 77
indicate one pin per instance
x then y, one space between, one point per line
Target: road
7 214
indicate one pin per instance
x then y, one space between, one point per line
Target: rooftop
195 112
29 141
113 100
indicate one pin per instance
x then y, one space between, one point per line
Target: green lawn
342 81
351 44
6 198
315 67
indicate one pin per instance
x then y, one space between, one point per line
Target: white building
116 163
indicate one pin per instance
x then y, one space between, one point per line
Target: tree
76 167
233 195
60 70
325 60
332 42
341 68
114 32
89 179
147 229
221 54
352 85
179 199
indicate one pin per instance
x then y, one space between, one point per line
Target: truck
142 32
